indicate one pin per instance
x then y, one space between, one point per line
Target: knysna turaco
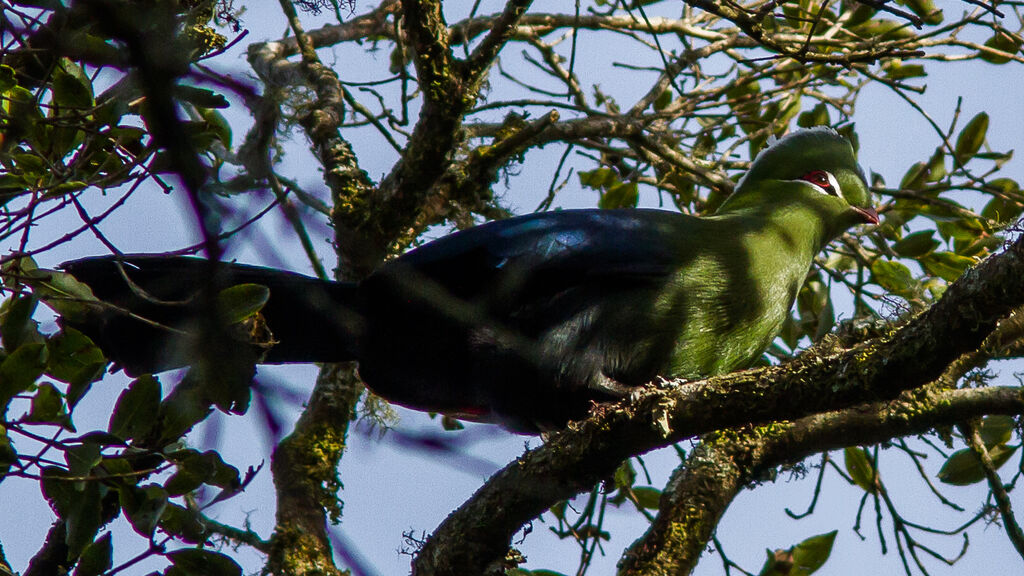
526 321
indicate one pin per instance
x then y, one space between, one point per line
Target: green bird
528 321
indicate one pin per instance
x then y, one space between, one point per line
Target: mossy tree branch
724 463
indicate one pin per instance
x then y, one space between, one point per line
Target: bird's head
816 168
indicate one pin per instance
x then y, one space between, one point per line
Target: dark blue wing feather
556 248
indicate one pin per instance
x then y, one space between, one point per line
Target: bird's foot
611 387
662 383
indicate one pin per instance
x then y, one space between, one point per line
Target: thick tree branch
304 464
702 488
304 467
817 381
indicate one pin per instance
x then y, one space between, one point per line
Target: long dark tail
146 328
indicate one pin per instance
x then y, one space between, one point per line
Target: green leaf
647 497
996 429
663 100
971 137
133 416
897 70
66 188
196 469
74 357
8 455
78 503
916 245
859 467
926 10
8 79
963 467
1002 208
20 370
625 475
82 458
621 195
97 557
893 277
71 87
180 411
946 265
200 97
205 562
143 506
859 13
1002 41
179 522
811 554
937 165
915 177
598 179
62 292
817 116
558 510
218 124
23 123
47 405
241 301
16 324
883 29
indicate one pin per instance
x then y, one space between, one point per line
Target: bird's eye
823 181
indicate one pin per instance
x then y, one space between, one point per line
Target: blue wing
545 253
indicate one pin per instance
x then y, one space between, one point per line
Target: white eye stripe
835 184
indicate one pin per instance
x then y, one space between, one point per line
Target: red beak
868 214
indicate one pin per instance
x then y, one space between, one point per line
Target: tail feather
145 329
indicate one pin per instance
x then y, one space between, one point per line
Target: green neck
774 248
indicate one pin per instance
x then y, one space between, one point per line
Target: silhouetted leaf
16 324
204 562
47 405
20 370
8 455
200 97
183 524
74 357
78 503
817 116
996 429
143 506
1002 41
963 467
971 137
134 413
97 557
197 468
71 87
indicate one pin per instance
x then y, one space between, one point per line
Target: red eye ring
821 179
